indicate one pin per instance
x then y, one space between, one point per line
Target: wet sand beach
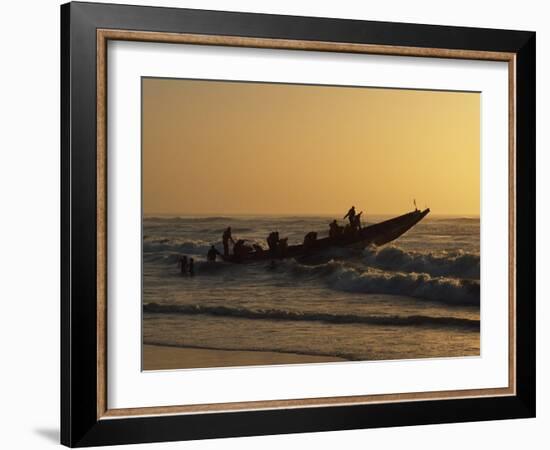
159 357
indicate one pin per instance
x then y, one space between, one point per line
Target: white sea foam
344 276
457 264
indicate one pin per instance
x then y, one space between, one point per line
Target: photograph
299 223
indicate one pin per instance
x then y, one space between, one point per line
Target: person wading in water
212 253
183 264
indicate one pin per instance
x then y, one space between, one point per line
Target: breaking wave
388 271
452 264
171 247
277 314
343 277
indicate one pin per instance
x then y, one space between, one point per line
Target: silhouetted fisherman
351 215
282 246
226 238
356 225
212 253
273 241
335 230
191 266
183 264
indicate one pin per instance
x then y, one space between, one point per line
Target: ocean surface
417 297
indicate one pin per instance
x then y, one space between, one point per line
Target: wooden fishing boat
377 234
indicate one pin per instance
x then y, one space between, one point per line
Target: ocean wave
214 268
186 219
221 230
283 315
194 247
474 220
452 264
344 277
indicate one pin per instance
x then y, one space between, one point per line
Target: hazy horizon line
335 214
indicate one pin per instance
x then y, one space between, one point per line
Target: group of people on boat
350 228
278 246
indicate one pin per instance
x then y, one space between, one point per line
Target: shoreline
164 357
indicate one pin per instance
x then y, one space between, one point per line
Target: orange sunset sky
217 147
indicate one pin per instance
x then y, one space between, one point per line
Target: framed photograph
277 224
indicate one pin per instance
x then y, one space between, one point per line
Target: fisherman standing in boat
273 242
226 238
351 215
356 225
283 246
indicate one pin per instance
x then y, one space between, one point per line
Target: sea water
416 297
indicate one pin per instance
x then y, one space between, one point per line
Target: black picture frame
80 425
